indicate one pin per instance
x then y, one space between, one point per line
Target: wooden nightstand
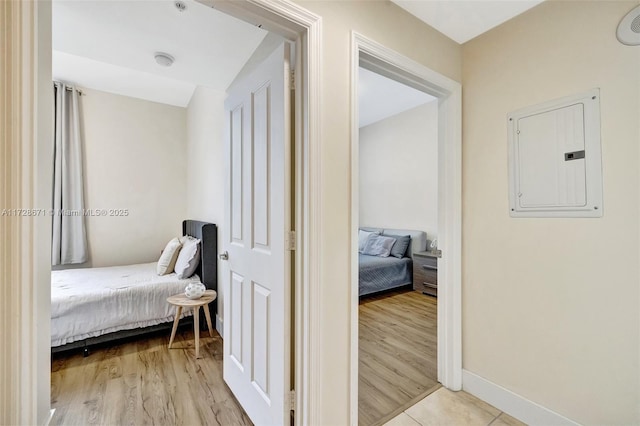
425 273
182 301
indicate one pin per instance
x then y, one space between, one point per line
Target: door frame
295 23
31 119
392 64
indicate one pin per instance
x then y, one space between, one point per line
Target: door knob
224 256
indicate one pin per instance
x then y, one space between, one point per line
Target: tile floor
444 407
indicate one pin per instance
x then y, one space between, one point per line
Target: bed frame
207 270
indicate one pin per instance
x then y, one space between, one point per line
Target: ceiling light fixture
629 28
164 59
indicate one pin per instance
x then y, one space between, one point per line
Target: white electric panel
555 167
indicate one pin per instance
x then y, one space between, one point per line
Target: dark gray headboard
207 233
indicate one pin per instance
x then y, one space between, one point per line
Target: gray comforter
383 273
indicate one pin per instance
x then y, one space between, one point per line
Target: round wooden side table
182 301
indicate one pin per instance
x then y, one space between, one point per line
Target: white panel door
256 276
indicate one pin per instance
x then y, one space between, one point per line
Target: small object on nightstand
425 272
194 290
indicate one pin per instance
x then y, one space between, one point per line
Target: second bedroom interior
397 243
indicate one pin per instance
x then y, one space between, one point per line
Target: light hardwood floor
397 353
143 382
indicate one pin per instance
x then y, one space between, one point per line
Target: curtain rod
70 89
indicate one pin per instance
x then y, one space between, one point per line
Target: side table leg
196 328
207 315
175 325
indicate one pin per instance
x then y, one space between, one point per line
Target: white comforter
94 301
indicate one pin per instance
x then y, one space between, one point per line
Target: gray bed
378 274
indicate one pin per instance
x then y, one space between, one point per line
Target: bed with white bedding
91 302
94 305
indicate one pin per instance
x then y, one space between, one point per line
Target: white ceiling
109 45
380 97
120 80
462 20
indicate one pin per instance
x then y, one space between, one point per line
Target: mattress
383 273
91 302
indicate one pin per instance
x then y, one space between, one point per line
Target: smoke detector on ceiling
629 28
164 59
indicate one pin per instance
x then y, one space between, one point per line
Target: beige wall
551 306
399 171
391 26
205 170
205 163
135 159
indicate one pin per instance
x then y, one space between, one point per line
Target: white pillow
377 245
168 257
362 238
188 258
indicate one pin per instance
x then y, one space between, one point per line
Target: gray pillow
377 245
399 249
362 238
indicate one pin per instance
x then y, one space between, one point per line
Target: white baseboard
511 403
219 326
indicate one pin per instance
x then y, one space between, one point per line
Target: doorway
148 122
34 40
398 194
386 62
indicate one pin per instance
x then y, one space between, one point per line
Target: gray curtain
69 244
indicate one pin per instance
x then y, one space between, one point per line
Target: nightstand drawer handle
429 267
426 284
